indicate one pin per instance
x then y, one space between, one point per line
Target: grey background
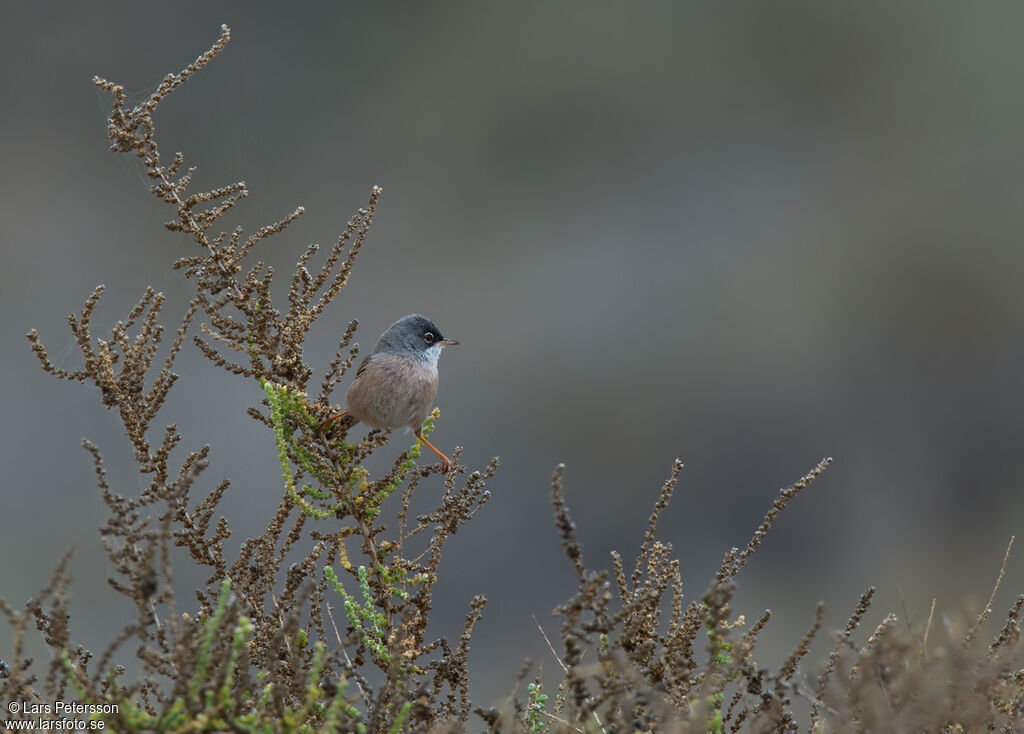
746 235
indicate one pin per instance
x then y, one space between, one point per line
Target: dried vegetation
321 622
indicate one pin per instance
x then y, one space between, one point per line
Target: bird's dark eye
428 338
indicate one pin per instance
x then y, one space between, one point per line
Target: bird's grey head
414 336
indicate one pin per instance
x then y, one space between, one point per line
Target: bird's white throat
429 356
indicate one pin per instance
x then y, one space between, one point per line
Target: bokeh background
748 235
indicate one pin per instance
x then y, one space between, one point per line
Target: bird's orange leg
445 461
329 420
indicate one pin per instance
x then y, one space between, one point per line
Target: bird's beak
449 343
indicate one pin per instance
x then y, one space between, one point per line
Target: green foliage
364 617
535 708
285 407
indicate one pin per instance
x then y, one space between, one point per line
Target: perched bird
395 385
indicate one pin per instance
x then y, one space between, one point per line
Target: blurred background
745 235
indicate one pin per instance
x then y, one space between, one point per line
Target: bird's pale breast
393 391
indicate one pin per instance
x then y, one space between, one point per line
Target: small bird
396 383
